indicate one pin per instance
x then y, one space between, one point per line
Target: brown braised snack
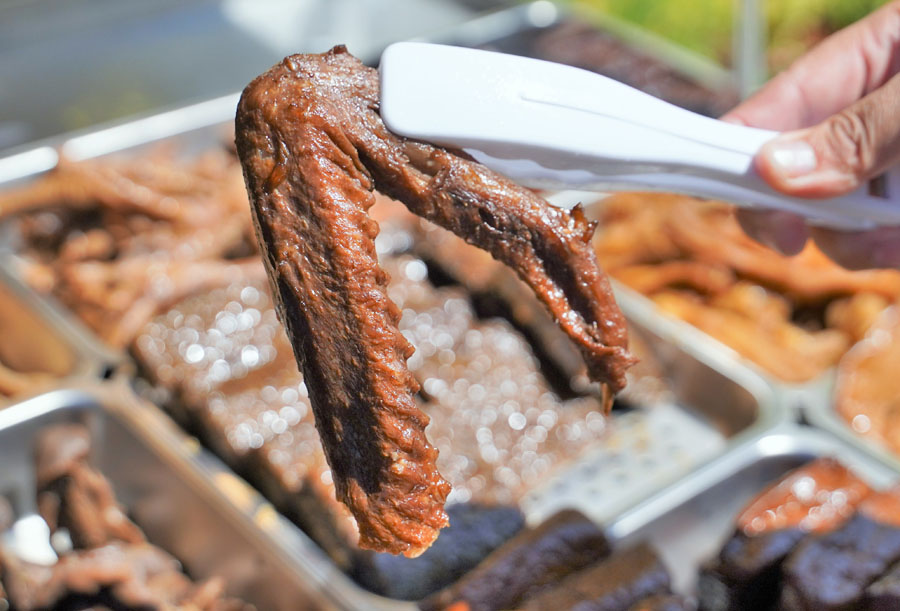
116 575
474 532
815 498
313 148
581 44
73 495
793 316
833 571
500 428
747 573
117 240
111 564
31 354
616 583
533 561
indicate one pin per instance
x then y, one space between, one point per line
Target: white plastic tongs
553 126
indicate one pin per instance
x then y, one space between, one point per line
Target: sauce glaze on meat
313 148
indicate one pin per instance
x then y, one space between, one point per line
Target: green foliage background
705 25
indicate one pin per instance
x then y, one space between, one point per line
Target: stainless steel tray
688 523
158 475
716 406
54 342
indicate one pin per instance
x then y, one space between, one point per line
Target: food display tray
689 523
714 408
169 489
54 341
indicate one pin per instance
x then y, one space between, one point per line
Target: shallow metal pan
717 405
157 475
689 523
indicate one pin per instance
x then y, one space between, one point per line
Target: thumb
839 154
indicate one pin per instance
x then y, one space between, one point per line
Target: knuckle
850 139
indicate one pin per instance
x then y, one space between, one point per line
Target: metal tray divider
92 358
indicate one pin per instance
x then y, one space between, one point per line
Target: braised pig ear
313 149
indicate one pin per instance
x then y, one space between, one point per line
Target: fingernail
791 157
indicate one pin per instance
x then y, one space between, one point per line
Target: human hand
839 109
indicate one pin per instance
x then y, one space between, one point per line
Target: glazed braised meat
110 565
119 240
313 149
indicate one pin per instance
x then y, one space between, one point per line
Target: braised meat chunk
313 149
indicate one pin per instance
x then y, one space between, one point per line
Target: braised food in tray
793 316
819 538
313 148
500 427
119 240
111 564
218 360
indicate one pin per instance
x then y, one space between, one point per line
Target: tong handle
547 124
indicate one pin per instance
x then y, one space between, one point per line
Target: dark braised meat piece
832 572
818 497
111 566
73 495
525 565
313 148
615 584
474 532
747 574
117 575
118 240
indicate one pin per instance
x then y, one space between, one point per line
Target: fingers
840 153
845 67
878 248
781 231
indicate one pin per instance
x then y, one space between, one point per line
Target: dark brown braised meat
525 565
313 148
747 574
617 583
116 575
111 564
474 532
832 572
73 495
119 240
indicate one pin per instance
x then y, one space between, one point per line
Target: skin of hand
838 107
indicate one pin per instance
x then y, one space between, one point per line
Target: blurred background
67 66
